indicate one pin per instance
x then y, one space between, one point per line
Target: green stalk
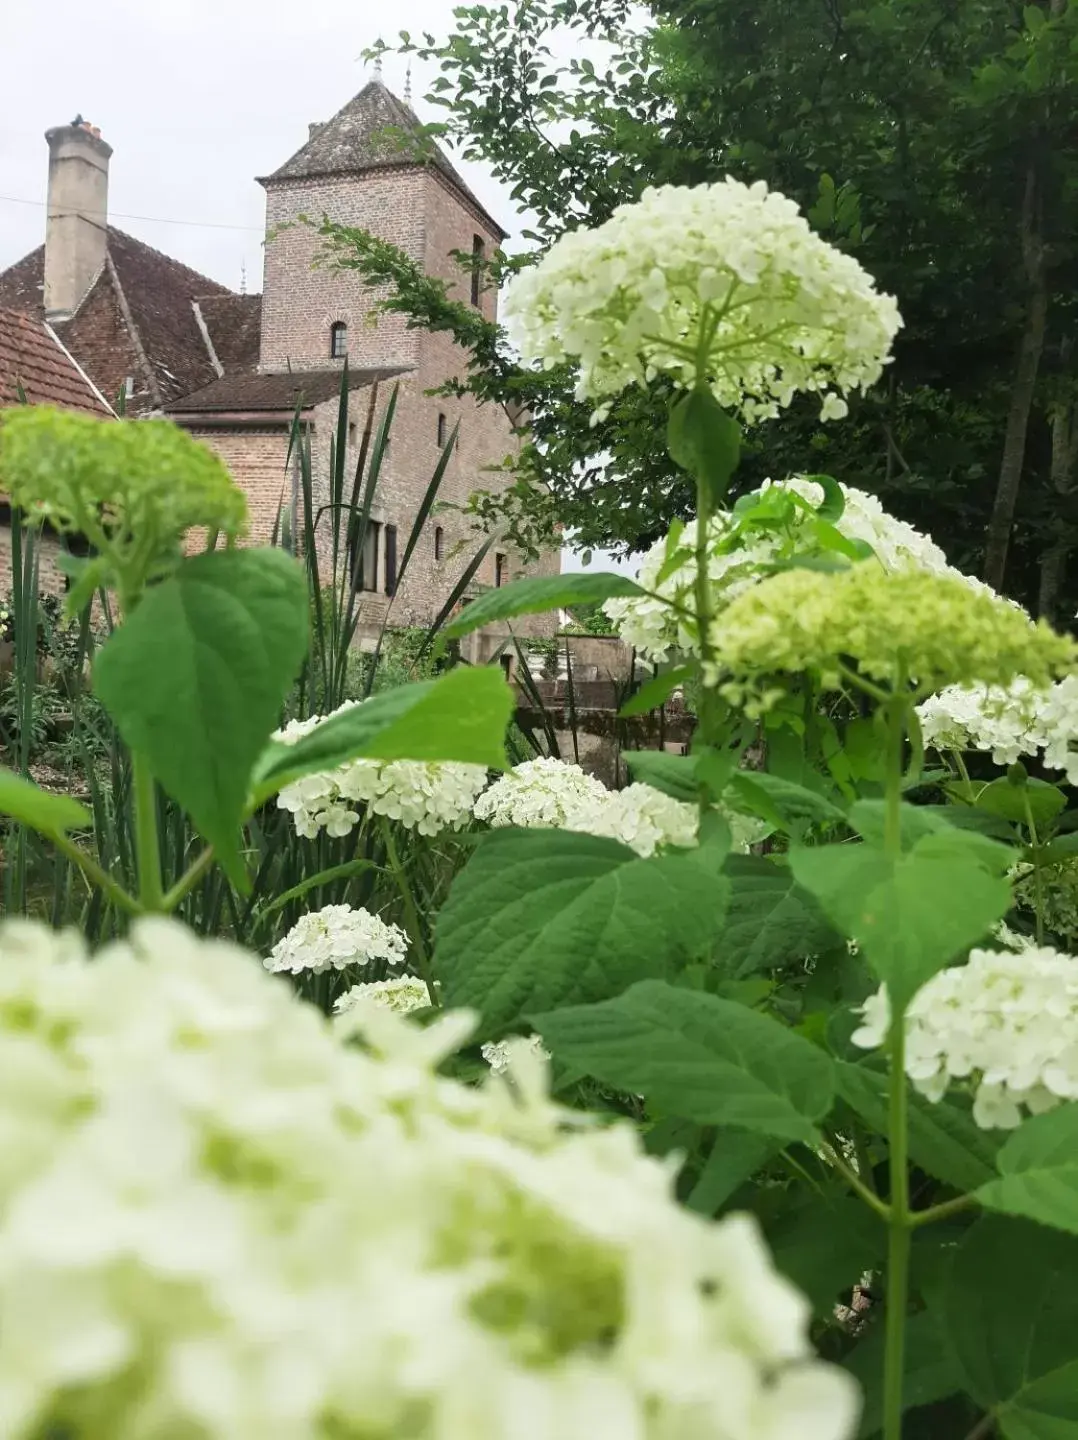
411 915
899 1229
1038 868
147 842
95 874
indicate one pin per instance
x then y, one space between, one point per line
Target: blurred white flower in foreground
217 1220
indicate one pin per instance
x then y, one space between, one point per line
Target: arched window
439 543
338 340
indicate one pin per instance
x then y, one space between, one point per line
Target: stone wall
50 577
256 460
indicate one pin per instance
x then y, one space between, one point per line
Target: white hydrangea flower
1008 722
539 792
639 816
401 995
628 300
738 557
419 795
500 1055
336 937
1005 1023
219 1220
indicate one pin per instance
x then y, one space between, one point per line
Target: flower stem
411 915
857 1185
96 874
943 1211
147 844
898 1247
189 879
1038 869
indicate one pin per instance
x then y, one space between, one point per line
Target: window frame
389 559
439 543
372 544
338 340
479 254
501 569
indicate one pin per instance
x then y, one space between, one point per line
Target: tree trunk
1064 462
1025 384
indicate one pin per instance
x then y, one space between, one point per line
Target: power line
149 219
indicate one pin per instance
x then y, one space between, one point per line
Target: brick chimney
76 227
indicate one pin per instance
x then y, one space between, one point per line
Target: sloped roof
274 393
33 359
374 131
234 323
154 294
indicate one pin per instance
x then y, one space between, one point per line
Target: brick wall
51 579
300 302
256 461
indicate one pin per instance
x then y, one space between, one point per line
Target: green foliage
537 594
699 1057
1009 1312
541 918
1038 1168
705 442
51 814
771 922
195 677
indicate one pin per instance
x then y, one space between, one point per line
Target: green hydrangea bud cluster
134 488
934 629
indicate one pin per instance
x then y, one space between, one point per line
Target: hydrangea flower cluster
730 268
335 938
539 792
401 995
1005 1023
419 795
937 628
217 1219
740 554
500 1054
73 470
1008 721
640 816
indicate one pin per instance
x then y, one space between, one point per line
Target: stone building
233 368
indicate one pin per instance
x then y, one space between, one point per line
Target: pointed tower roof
374 131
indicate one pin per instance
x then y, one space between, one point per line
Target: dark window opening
507 666
478 249
368 560
443 427
353 430
439 543
501 570
338 340
391 560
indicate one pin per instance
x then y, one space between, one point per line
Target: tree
933 141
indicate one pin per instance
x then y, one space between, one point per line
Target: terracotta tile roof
373 131
32 358
279 392
157 331
234 323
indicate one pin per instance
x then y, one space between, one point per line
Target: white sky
196 97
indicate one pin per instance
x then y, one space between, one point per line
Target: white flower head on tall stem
725 283
544 791
335 938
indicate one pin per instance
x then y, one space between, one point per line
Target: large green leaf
461 716
539 593
694 1055
770 920
943 1139
51 814
195 676
825 1244
912 915
704 440
1009 1312
772 796
541 918
1038 1167
735 1156
931 1371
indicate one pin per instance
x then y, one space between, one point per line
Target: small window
338 340
439 543
478 250
353 431
391 560
368 562
501 570
506 662
443 428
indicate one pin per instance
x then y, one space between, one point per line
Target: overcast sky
196 98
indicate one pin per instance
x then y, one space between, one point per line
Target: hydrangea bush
835 1075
